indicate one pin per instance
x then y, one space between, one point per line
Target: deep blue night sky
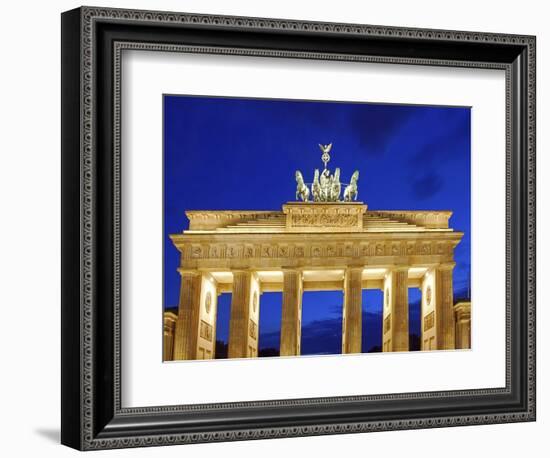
241 154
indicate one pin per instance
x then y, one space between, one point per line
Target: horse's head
337 173
299 177
355 176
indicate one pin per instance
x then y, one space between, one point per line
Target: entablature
322 250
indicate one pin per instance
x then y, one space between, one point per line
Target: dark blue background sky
241 154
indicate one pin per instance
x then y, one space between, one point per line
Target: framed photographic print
277 228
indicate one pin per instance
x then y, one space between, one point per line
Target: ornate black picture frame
92 41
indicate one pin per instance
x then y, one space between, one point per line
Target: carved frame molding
92 417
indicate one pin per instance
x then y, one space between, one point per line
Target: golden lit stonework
314 246
310 246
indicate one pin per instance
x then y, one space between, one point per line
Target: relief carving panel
429 321
387 323
253 330
206 331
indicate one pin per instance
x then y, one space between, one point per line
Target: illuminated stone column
187 324
291 323
352 315
243 326
254 317
444 313
206 342
462 325
395 323
169 331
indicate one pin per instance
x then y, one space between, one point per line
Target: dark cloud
427 185
445 145
376 127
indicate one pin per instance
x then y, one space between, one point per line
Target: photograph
314 227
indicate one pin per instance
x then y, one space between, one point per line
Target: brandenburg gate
323 244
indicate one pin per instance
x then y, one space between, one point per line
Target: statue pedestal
324 216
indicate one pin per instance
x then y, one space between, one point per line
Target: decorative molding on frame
92 13
89 15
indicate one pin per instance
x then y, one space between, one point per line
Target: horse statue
335 186
316 187
351 191
301 190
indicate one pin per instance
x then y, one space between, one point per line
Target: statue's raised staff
326 156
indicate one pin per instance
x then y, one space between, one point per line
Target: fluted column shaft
396 312
168 341
187 324
352 317
400 323
444 313
462 312
240 314
291 313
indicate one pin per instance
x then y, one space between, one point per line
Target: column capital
399 268
293 270
210 277
462 307
355 268
241 271
245 271
446 266
188 272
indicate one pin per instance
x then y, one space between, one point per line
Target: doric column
462 325
395 332
169 331
444 314
187 324
352 316
292 313
243 327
